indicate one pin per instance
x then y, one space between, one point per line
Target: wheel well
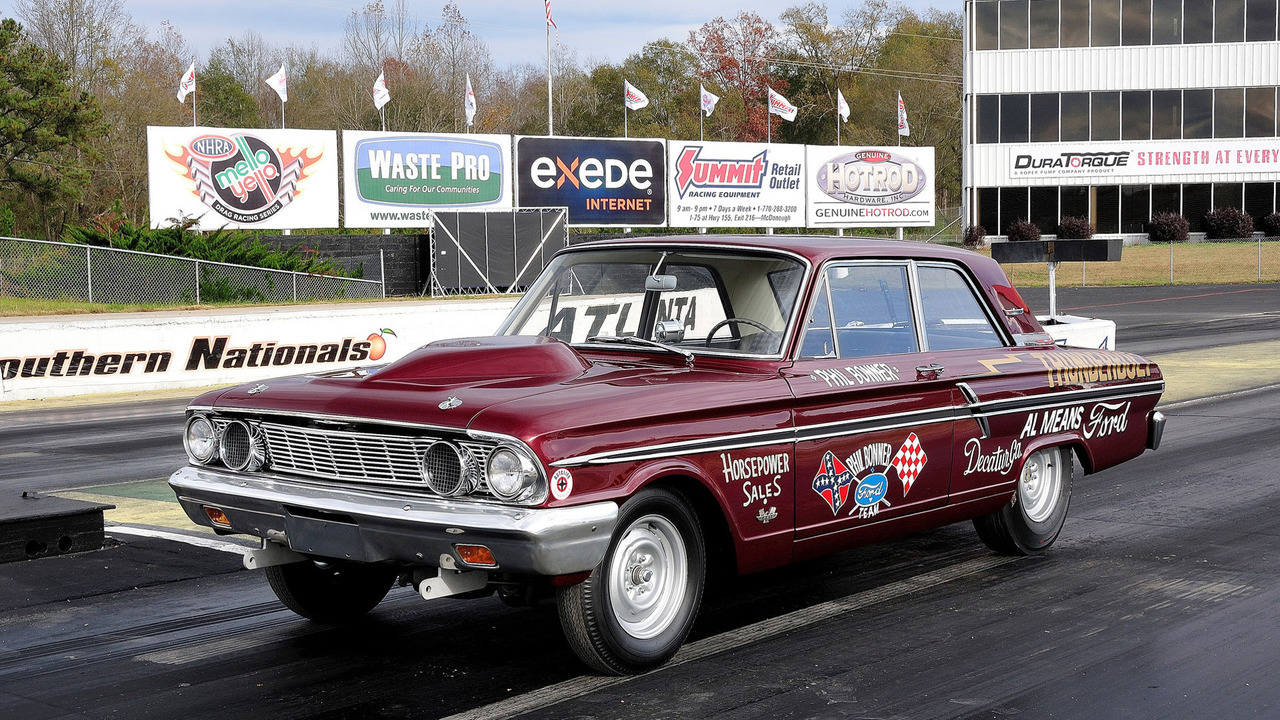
1082 455
721 556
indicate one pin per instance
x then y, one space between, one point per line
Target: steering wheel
745 321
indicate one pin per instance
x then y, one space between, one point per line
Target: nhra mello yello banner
727 184
397 179
857 186
230 177
604 182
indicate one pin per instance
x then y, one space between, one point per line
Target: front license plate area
314 533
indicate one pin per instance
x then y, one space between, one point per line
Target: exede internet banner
604 182
397 179
852 186
724 184
235 177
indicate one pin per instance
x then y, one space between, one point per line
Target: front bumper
366 526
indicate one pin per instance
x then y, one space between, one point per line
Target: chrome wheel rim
1040 485
648 577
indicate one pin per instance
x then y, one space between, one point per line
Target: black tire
1032 520
607 619
333 592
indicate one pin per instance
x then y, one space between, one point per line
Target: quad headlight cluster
237 444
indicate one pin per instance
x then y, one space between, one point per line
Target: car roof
816 248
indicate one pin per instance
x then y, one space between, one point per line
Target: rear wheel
330 592
638 605
1033 520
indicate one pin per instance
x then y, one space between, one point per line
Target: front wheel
637 607
330 592
1033 520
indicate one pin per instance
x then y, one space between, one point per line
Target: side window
953 316
818 340
871 309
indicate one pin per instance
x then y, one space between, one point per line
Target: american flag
550 22
909 461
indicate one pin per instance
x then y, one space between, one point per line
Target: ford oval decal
871 489
871 177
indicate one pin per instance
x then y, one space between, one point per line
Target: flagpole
897 108
282 114
382 114
701 116
193 99
837 121
550 131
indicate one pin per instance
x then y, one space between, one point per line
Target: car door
873 417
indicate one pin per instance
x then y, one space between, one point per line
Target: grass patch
1193 264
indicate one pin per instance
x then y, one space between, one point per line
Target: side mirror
660 283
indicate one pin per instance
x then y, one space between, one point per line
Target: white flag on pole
903 128
632 96
380 95
280 84
842 107
187 84
709 100
781 106
470 102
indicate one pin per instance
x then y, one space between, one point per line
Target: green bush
974 236
1228 223
1071 227
1270 225
1166 227
1023 231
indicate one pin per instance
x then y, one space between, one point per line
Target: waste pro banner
725 184
851 186
230 177
604 182
395 180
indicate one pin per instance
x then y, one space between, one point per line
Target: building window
1166 198
1104 22
1197 114
1197 21
1105 116
1135 22
988 118
989 209
1013 207
1259 201
1166 114
1013 118
1044 117
1166 22
1197 200
1260 21
1135 121
1228 20
1075 23
1044 23
987 25
1228 113
1044 209
1228 195
1075 202
1013 24
1106 209
1260 112
1075 117
1135 208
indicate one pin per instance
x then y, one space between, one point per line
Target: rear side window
871 310
953 316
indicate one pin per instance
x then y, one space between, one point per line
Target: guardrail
55 270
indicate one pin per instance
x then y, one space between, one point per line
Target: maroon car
653 406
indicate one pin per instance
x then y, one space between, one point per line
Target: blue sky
596 29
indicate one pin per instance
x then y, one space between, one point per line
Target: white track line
750 634
1220 396
210 543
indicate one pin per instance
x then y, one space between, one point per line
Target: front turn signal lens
476 555
217 516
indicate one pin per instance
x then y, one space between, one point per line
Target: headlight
510 474
200 439
241 447
448 469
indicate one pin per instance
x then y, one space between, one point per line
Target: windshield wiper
633 340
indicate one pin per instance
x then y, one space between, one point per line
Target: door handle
930 371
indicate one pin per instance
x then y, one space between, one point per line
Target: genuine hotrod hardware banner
232 177
397 179
604 182
725 184
859 186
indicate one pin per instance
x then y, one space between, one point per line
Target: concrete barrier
83 354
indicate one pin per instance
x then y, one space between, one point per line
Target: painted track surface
1162 599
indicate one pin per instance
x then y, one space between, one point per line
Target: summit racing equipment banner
230 177
724 184
852 186
396 179
604 182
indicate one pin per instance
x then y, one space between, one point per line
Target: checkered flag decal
909 461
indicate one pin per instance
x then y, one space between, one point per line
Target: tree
44 122
736 56
87 35
221 99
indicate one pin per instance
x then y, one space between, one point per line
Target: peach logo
378 343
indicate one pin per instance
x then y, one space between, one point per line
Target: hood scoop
512 360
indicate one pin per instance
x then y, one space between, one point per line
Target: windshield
710 300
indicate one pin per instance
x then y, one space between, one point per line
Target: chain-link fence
53 270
